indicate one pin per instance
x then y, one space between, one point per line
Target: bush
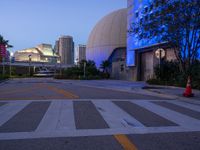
91 72
170 74
4 77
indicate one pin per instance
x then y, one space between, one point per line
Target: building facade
141 54
107 35
66 49
80 53
40 53
131 58
56 47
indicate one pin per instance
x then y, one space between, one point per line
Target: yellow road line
32 98
125 142
61 91
18 90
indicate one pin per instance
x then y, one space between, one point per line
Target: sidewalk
176 92
168 92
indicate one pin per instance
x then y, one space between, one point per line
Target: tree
105 66
176 22
90 68
5 42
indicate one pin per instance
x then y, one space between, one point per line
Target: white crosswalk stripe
186 105
114 116
8 110
178 118
51 118
66 118
58 120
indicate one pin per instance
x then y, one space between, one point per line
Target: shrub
170 74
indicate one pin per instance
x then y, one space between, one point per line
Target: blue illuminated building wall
135 9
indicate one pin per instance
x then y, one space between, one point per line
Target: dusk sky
26 23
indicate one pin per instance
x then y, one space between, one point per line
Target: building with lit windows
40 53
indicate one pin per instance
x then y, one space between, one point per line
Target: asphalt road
47 114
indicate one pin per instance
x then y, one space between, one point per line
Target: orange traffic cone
188 90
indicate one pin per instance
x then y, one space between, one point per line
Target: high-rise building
66 49
56 47
80 53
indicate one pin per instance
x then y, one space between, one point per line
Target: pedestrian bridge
36 64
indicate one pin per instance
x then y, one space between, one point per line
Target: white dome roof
109 33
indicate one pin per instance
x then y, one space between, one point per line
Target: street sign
160 53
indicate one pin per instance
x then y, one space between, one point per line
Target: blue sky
26 23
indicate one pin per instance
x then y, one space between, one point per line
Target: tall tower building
80 53
56 47
66 49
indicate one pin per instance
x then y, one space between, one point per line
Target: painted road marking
178 118
51 117
66 126
67 94
27 119
125 142
10 109
180 109
186 105
145 116
11 91
66 118
114 116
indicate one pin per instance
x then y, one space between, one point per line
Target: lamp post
11 56
29 56
3 53
3 61
84 65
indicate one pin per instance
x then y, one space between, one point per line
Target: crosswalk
60 118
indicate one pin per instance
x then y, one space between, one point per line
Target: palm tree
105 66
4 42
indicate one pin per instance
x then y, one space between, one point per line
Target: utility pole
29 65
84 66
3 61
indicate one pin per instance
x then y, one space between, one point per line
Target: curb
169 95
3 81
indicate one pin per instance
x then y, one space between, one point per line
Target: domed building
107 40
130 58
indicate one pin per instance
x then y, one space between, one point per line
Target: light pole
29 56
11 56
3 61
84 65
3 49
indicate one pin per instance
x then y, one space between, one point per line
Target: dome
109 34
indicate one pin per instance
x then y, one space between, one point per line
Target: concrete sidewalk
168 92
176 92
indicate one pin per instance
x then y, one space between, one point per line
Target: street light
3 49
84 65
29 56
11 56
